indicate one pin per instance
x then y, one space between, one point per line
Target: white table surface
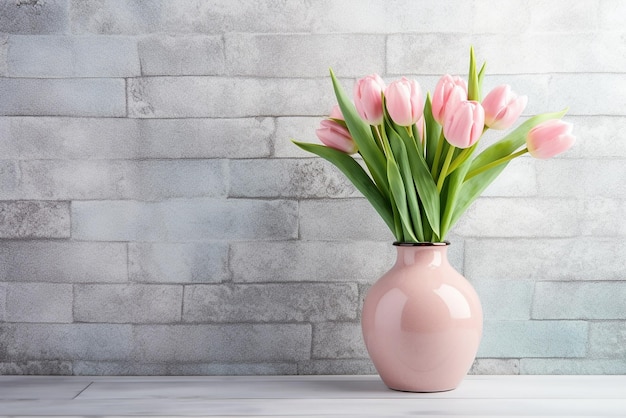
309 396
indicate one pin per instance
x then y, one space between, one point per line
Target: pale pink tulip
368 98
464 124
549 139
447 88
335 113
333 135
404 101
503 107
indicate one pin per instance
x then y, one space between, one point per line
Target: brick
34 219
127 303
510 17
341 220
598 218
66 262
181 55
504 299
607 339
303 178
599 133
23 342
563 16
314 261
511 339
205 138
178 262
572 366
336 367
27 138
595 94
495 366
519 217
3 300
304 55
222 343
38 17
173 97
611 15
184 220
518 179
9 178
259 302
62 97
567 178
546 259
186 16
579 300
39 302
299 128
4 50
336 340
404 16
65 56
155 180
49 368
120 138
118 368
231 369
427 53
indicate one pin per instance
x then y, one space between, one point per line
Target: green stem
433 169
386 147
444 169
495 163
461 158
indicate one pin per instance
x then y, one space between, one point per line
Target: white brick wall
155 217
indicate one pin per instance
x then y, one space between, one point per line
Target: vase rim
421 244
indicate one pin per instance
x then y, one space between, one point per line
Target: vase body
422 321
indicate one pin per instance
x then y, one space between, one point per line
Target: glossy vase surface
422 321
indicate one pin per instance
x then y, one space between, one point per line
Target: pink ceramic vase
422 321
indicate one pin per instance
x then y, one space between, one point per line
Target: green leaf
432 131
399 196
399 151
472 79
454 186
426 187
357 175
362 134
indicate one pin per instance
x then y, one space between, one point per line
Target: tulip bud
448 87
503 107
368 98
404 101
333 135
549 139
335 113
464 124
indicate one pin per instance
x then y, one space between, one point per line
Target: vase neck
432 256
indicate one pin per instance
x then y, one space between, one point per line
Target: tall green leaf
400 154
399 196
432 130
357 176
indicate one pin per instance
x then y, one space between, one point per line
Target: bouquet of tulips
423 171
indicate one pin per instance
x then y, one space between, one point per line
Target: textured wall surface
155 218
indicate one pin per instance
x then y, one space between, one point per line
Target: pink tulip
368 100
447 88
333 135
549 139
335 113
404 101
464 124
503 107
